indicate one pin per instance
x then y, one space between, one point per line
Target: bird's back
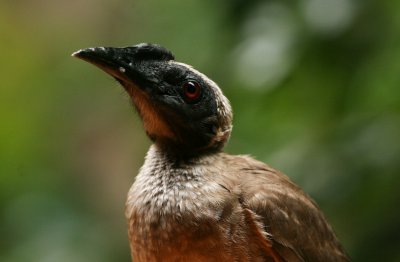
296 228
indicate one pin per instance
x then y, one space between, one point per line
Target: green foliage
314 85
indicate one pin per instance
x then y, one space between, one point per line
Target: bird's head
181 109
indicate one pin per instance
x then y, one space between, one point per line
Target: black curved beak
106 58
129 65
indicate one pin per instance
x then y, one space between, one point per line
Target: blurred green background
315 87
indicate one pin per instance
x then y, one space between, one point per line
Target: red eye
191 90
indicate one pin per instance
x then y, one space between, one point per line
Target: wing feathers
297 228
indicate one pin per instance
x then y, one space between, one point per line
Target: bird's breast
171 215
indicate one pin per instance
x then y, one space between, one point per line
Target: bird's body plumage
192 202
221 207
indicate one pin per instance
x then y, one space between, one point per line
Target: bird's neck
180 152
165 180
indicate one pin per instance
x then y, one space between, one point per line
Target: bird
192 201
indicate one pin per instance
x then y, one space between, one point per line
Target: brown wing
297 228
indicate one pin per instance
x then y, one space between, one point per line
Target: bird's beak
105 58
121 63
135 67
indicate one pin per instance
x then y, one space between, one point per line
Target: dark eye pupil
191 88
